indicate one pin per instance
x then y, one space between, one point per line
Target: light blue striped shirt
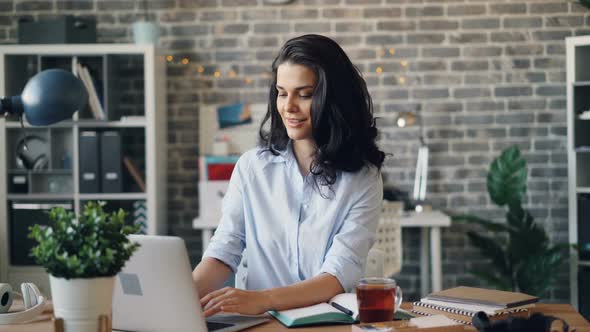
290 231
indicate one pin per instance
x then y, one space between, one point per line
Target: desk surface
564 311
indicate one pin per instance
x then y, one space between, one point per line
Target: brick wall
484 74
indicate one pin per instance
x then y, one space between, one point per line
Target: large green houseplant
519 250
82 256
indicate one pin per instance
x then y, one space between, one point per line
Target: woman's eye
306 96
282 95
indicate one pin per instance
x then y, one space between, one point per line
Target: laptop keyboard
214 326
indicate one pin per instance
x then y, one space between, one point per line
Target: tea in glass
377 299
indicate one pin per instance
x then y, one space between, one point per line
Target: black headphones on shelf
32 152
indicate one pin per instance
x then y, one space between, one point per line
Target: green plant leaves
519 250
507 177
95 245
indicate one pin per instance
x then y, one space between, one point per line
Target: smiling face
295 86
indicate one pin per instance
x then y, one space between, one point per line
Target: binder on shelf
89 163
110 162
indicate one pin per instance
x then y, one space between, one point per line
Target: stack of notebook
462 303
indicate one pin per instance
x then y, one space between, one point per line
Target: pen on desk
341 308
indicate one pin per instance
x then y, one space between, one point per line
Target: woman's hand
235 300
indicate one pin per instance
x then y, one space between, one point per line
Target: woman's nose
290 105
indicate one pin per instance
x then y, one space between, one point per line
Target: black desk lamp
51 96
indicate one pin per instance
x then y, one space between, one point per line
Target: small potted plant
82 256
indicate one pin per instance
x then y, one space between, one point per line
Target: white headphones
32 298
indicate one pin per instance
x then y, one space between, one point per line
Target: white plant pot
80 302
146 33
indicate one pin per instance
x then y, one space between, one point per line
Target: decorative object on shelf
135 173
44 100
82 255
145 31
233 115
406 119
140 216
66 29
522 257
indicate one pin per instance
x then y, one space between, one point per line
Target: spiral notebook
481 296
465 316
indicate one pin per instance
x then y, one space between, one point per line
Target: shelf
130 123
581 83
113 196
582 149
583 190
43 171
584 263
38 197
125 123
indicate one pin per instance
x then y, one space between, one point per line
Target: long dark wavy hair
342 120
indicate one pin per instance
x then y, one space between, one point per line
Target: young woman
306 203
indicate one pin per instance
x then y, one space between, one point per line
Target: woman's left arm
318 289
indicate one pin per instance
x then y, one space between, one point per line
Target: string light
404 63
379 70
231 74
200 69
402 80
169 58
217 74
184 61
392 51
248 80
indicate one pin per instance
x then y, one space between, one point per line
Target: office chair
385 257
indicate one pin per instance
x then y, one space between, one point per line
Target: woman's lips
295 123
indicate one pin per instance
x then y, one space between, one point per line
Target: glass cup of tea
377 298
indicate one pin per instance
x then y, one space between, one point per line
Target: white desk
430 223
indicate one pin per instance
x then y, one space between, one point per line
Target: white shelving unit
142 69
578 132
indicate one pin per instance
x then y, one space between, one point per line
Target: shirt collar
285 156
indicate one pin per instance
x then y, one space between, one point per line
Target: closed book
89 163
110 162
465 316
482 296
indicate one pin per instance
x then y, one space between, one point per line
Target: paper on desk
432 321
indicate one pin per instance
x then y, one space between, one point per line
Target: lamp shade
51 96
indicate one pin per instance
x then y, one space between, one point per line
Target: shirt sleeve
347 255
229 240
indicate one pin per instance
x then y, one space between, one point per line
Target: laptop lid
155 290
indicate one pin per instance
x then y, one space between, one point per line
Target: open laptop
155 292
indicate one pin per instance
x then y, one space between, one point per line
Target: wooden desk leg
424 262
206 235
435 255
